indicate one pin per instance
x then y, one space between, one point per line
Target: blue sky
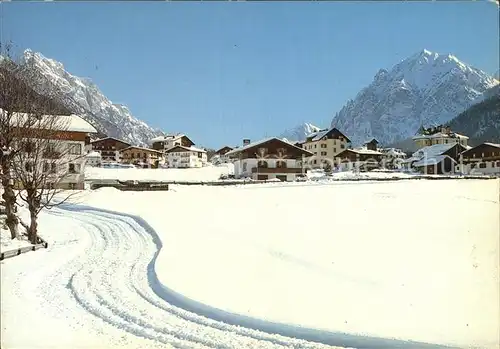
223 71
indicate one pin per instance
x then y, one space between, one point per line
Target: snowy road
98 287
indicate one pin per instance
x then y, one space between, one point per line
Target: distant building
438 135
393 158
362 159
167 142
482 159
325 145
141 157
109 148
220 156
185 157
93 159
435 159
270 158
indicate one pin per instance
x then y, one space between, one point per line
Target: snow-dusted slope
84 97
299 132
426 88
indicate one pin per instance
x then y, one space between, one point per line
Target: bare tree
32 157
41 165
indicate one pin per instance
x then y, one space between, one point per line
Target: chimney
246 141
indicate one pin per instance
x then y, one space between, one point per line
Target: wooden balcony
265 170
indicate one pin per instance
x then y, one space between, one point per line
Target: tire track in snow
115 280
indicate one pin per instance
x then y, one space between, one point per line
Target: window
498 163
323 145
315 145
342 146
482 165
280 164
334 150
472 166
323 153
314 162
482 155
72 186
76 149
72 168
315 153
244 167
262 164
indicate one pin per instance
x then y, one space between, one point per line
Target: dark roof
316 136
141 148
267 140
223 148
115 139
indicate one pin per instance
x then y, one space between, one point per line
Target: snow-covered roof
496 145
186 149
262 141
433 150
167 137
113 138
94 154
432 160
442 135
394 151
365 151
70 123
321 133
141 148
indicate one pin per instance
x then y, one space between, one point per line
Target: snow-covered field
335 263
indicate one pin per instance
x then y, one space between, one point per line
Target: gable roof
363 151
113 138
141 148
223 148
266 140
170 137
178 147
316 136
494 145
433 150
69 123
432 161
373 140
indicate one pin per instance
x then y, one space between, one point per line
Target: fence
17 251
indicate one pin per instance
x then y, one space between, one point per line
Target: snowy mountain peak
82 96
299 133
426 88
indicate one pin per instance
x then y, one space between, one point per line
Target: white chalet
185 157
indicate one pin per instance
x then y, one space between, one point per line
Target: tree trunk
9 197
32 234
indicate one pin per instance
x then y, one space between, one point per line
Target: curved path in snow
113 278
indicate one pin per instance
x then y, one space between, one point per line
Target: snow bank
209 173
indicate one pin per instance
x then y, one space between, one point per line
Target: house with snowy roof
181 156
325 145
109 148
220 156
435 159
166 142
63 148
270 158
143 157
438 135
482 159
362 158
